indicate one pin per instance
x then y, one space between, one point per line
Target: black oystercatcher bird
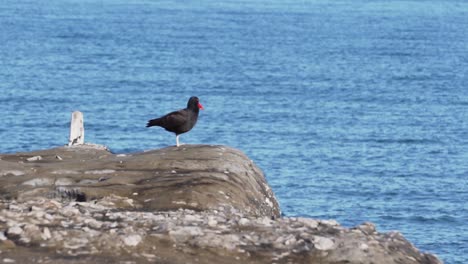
180 121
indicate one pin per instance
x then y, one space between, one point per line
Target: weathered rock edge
196 177
111 228
110 231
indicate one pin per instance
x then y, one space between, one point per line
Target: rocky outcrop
192 204
100 231
197 177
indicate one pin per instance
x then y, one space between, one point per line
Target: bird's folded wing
177 118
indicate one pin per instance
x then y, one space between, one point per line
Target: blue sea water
355 110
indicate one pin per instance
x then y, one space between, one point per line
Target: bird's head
194 103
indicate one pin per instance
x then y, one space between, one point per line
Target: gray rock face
120 209
191 177
100 230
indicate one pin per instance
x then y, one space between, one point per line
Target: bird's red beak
200 106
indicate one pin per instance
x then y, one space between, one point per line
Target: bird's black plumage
180 121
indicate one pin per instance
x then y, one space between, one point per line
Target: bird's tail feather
154 122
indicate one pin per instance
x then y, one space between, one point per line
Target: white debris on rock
107 171
329 222
93 223
69 211
185 233
62 172
212 222
12 172
39 182
244 221
132 240
64 182
364 246
46 233
308 222
14 231
34 158
323 243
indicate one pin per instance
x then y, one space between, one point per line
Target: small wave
411 78
423 219
461 103
74 36
401 141
434 219
396 54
